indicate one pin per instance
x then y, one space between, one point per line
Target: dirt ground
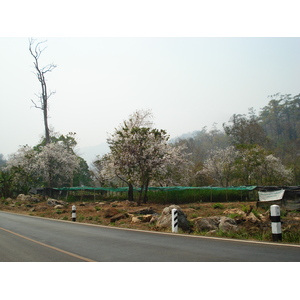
127 214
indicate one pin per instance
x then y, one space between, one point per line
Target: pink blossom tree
140 155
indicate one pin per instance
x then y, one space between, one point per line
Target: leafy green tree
245 130
6 186
83 175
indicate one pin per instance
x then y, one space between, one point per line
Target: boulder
118 217
22 197
153 220
215 223
227 224
110 212
252 218
129 203
136 220
54 202
144 211
207 224
145 218
58 206
165 220
236 211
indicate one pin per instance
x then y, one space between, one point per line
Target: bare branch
39 107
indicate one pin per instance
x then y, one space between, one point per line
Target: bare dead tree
36 50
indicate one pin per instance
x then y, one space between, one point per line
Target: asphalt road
25 238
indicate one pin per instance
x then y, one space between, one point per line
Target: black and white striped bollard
174 220
276 223
74 213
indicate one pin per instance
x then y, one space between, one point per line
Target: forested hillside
271 134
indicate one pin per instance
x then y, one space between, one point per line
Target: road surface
26 238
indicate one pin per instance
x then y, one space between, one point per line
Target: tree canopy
140 155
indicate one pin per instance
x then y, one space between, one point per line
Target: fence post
174 220
276 223
74 213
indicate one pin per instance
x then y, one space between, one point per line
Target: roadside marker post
74 213
174 220
276 223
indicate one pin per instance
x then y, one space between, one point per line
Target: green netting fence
171 194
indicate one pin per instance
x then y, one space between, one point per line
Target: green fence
174 194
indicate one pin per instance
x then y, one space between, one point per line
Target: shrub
218 205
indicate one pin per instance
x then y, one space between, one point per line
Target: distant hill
90 153
185 136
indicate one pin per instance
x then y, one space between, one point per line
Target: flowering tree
274 172
23 167
56 164
140 155
246 165
220 165
53 165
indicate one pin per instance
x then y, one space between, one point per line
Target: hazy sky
188 83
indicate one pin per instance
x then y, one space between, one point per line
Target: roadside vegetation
108 212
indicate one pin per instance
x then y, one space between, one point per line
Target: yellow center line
48 246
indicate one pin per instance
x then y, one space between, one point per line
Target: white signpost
174 220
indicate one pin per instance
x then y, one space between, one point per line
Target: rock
129 203
145 218
165 220
116 204
144 211
207 224
118 217
227 224
53 202
34 199
236 211
135 220
22 197
153 220
59 206
215 223
252 218
110 212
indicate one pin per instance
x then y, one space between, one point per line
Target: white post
73 213
276 224
174 220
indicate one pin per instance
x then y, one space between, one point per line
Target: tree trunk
130 192
45 111
141 194
145 199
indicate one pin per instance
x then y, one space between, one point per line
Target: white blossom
52 164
